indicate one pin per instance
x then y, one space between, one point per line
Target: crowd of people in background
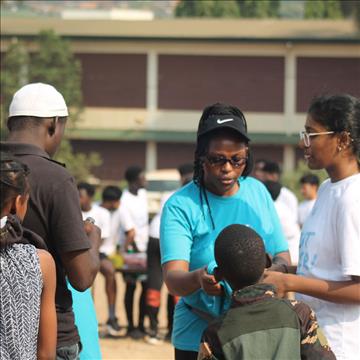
229 244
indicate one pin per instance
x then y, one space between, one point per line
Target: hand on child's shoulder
277 279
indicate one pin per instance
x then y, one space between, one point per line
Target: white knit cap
40 100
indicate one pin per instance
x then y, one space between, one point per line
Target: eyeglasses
219 161
305 136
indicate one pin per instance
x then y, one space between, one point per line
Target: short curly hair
240 255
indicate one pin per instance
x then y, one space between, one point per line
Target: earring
339 148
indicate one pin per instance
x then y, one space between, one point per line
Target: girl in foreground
27 275
328 274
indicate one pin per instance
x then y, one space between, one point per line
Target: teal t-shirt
187 233
87 324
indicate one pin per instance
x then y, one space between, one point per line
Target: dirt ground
123 347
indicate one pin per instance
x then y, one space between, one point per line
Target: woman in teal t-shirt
220 194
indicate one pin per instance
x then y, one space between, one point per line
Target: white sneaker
153 340
113 327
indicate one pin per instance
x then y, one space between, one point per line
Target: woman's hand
182 282
208 283
341 292
277 279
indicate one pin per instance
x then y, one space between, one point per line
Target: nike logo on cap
219 121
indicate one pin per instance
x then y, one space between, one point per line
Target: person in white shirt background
328 274
134 238
102 219
287 197
286 204
110 202
309 185
290 228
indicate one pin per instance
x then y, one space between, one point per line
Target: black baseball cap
215 122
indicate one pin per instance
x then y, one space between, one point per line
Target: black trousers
185 355
130 280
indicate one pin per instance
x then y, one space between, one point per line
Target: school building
145 83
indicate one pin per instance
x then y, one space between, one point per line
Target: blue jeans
70 352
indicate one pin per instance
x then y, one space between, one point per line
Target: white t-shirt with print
305 208
136 207
330 250
102 220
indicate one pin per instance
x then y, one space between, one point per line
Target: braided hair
13 179
14 182
202 146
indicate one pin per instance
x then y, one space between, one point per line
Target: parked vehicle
159 183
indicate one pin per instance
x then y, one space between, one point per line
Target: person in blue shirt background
220 194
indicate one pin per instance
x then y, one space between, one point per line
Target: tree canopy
309 9
55 64
207 8
228 8
14 69
322 9
259 9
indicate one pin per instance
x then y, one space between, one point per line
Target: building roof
170 136
252 30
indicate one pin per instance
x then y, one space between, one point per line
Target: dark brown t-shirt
54 214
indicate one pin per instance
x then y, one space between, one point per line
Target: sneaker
153 340
113 327
135 334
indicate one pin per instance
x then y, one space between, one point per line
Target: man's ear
52 128
268 262
51 125
218 274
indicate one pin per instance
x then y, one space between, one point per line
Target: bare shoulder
46 261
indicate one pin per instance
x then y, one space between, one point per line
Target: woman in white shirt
328 273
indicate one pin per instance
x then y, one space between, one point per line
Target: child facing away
27 275
258 325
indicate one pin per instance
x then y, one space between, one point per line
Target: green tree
322 9
333 10
13 76
259 9
207 8
53 64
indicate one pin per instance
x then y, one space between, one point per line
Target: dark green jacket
260 326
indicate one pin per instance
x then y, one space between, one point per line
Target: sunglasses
219 161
